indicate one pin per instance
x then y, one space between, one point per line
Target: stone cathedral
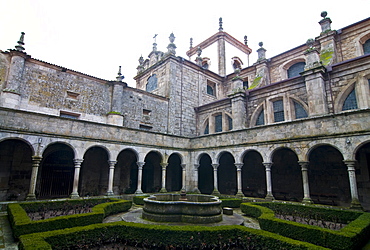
293 127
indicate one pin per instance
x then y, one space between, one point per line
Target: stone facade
292 127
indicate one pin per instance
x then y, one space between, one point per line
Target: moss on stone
255 82
326 56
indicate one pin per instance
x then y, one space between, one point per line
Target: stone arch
174 173
205 174
339 101
253 174
94 171
126 172
57 171
101 146
362 156
32 147
283 68
152 172
204 129
16 168
359 42
226 174
286 175
328 176
261 107
292 107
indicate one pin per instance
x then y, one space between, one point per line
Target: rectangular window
218 123
278 111
72 95
67 114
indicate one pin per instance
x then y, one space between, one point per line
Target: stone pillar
111 176
164 167
269 195
35 168
183 166
196 168
76 178
239 179
221 51
355 203
139 177
239 111
215 181
306 186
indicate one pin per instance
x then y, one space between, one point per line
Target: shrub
138 199
231 202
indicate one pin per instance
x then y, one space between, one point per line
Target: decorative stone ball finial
310 42
324 14
260 44
141 60
245 40
172 38
220 23
199 51
119 77
20 47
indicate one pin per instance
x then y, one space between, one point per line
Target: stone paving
6 237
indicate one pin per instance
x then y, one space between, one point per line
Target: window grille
366 47
300 112
261 118
278 111
295 69
350 102
218 123
152 83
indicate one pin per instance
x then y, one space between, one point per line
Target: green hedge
352 236
138 199
22 224
231 202
160 237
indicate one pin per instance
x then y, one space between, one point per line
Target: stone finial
199 59
199 51
261 52
220 24
310 42
172 47
191 43
245 40
325 22
20 47
119 77
141 60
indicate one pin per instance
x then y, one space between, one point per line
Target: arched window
278 111
261 118
152 83
206 129
230 121
350 102
300 112
218 123
295 69
366 47
211 86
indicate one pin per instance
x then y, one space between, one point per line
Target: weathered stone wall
4 64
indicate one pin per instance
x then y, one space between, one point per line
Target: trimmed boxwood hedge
231 202
22 224
139 199
160 237
352 236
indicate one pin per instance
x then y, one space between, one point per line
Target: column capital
303 164
239 166
36 158
183 165
78 162
112 163
140 164
350 163
196 166
267 165
215 166
164 165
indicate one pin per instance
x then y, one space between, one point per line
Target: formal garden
81 224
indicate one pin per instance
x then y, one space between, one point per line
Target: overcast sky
95 37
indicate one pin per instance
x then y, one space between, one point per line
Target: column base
215 192
239 194
355 204
139 191
197 191
74 196
110 193
269 197
31 197
307 201
163 190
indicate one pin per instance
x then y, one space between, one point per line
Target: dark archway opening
286 176
57 172
94 172
226 174
152 173
174 174
253 175
363 175
125 173
15 169
205 175
328 177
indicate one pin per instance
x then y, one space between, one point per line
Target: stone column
76 178
355 203
164 167
221 55
111 176
239 179
269 195
139 177
183 166
196 189
239 109
35 168
306 186
215 181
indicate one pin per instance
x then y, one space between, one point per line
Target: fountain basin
196 209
